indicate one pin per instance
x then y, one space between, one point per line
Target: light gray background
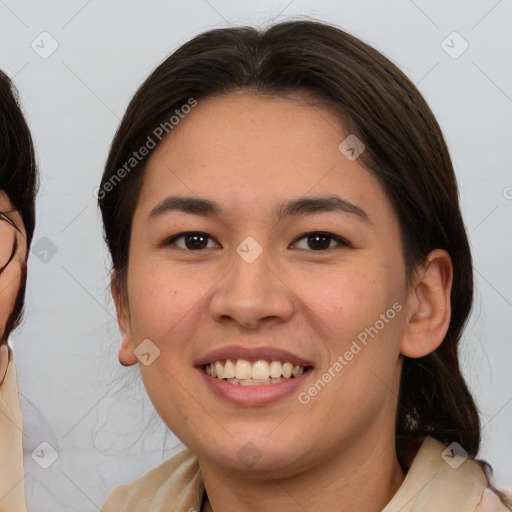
74 99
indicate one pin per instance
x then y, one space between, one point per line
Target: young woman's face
323 288
13 252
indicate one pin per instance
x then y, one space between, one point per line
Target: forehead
245 122
251 151
252 134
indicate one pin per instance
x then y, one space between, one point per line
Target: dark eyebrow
297 207
193 205
311 205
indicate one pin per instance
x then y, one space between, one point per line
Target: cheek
164 303
364 327
356 313
10 281
345 299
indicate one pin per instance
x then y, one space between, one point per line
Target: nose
252 294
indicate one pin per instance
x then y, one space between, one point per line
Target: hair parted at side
405 150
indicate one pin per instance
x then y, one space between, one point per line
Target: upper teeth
260 370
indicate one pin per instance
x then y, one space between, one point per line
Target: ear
428 306
126 355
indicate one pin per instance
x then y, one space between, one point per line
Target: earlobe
428 307
126 355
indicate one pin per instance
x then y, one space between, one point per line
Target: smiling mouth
261 372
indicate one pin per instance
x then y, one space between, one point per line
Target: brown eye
192 240
321 241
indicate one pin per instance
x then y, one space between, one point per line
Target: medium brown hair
405 151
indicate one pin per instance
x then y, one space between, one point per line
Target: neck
334 484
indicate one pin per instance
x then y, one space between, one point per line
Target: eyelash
341 241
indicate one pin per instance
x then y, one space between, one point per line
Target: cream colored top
431 484
12 489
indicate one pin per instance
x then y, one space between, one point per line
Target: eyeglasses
8 240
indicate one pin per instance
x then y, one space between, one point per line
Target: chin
256 454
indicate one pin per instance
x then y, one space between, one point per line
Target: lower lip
254 396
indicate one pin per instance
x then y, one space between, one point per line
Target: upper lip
251 354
